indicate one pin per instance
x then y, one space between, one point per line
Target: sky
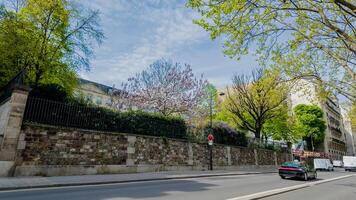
138 32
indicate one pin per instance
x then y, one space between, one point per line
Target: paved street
341 189
198 188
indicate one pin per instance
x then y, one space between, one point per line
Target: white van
323 164
349 163
337 163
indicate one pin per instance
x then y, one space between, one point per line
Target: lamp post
211 136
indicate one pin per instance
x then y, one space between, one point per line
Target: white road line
286 189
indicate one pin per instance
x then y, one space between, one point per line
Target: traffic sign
210 139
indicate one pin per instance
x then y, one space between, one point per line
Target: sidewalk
11 183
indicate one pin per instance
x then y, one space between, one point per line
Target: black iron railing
6 90
73 115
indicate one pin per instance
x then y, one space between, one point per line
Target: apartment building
335 142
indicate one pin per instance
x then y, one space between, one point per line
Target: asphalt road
335 190
200 188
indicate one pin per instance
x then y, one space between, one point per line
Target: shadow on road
301 180
111 192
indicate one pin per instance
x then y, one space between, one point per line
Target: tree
281 126
120 98
254 100
352 115
167 87
206 107
49 39
310 123
306 38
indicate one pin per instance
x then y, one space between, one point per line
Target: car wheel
283 177
306 176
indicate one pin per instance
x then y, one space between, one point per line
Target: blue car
301 170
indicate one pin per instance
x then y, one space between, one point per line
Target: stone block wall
243 156
11 113
220 156
57 151
283 157
153 151
265 157
4 117
49 146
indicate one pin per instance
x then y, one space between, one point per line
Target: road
210 188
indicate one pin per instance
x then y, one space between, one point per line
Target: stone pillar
228 153
190 154
275 158
256 156
13 125
131 140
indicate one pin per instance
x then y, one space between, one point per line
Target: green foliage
353 116
310 123
224 134
308 38
51 92
224 115
200 115
255 99
49 39
72 114
281 126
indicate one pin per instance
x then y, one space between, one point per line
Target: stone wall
4 117
54 151
48 146
264 157
11 120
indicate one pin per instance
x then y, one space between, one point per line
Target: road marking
286 189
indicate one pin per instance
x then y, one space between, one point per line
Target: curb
274 192
129 181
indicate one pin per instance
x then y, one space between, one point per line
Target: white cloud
169 30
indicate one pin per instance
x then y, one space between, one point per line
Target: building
94 93
305 92
350 139
104 96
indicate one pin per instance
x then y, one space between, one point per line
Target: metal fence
6 90
43 111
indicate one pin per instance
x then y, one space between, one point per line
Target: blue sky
138 32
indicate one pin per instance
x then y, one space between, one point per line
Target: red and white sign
210 139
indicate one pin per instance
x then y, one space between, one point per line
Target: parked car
349 163
323 164
338 163
302 170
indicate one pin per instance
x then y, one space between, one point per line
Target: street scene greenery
53 40
314 39
310 124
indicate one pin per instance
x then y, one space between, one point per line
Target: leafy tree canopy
310 123
253 100
306 38
49 39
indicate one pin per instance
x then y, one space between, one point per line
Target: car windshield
291 164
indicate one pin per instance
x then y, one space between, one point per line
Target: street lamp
211 129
